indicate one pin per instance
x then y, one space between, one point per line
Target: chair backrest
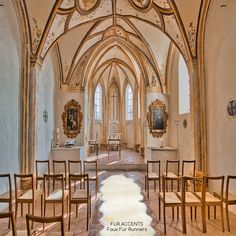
45 167
59 167
91 167
215 182
43 220
231 180
5 180
188 168
154 167
23 183
195 181
75 167
78 182
53 183
173 166
165 181
10 215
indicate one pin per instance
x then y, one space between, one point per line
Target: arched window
129 103
98 103
184 95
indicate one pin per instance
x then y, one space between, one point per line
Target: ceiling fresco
92 36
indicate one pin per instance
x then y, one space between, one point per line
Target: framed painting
157 118
72 119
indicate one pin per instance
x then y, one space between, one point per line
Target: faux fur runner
123 211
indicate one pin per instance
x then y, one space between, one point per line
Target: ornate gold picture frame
157 118
72 119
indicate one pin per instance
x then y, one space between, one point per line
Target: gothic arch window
98 103
184 94
129 103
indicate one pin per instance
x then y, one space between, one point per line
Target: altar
74 153
161 153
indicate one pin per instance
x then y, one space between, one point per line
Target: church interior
120 117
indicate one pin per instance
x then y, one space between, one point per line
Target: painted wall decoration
86 6
72 119
157 118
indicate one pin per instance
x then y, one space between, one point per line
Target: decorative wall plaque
72 119
157 118
45 116
231 108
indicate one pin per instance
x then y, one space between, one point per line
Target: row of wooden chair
186 197
30 219
66 168
153 171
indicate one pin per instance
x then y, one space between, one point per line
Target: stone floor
78 225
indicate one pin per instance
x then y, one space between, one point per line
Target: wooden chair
190 199
168 199
59 167
75 167
153 174
79 194
26 193
228 197
188 168
54 191
46 220
91 168
209 199
6 197
45 166
10 216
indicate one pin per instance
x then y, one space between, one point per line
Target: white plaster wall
130 134
178 136
45 85
10 71
220 71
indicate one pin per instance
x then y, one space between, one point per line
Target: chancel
117 117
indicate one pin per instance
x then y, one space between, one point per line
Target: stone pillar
198 117
32 132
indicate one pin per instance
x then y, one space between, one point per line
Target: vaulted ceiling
105 38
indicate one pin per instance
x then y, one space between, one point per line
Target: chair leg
227 216
155 187
195 212
164 217
87 216
90 206
191 213
54 210
173 213
32 214
148 188
70 215
214 212
204 227
159 207
76 209
209 213
16 209
21 207
222 217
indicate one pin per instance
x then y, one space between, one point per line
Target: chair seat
231 197
171 198
209 197
189 197
153 176
57 195
59 234
29 194
170 175
79 194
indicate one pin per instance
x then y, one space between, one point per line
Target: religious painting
157 118
72 119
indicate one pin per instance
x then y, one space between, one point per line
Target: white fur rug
123 211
